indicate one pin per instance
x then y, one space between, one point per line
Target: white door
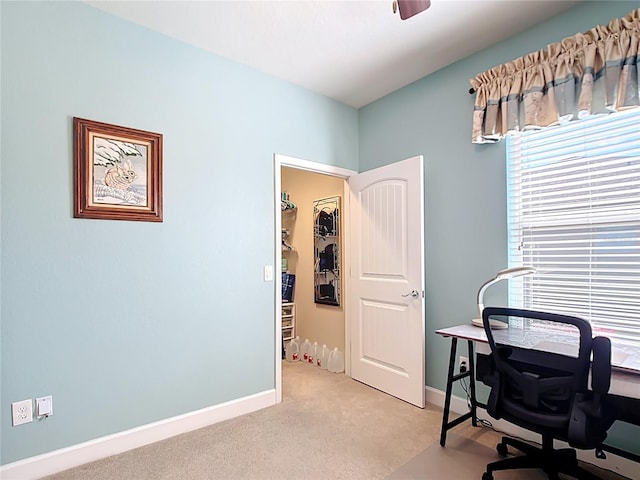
386 285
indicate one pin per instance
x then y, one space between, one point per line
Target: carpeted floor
327 427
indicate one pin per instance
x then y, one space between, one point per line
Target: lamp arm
481 291
502 275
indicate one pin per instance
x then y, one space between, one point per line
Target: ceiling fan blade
409 8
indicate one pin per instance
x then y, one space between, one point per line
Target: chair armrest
592 414
601 365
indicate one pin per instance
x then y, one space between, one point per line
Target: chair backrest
542 362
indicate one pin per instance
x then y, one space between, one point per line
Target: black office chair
538 381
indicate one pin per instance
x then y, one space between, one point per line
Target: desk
625 377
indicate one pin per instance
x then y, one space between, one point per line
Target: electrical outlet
463 364
21 412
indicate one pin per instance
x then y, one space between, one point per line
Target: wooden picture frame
117 172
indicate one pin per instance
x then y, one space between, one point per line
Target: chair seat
538 422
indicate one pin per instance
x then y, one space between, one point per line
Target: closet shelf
286 246
288 321
285 203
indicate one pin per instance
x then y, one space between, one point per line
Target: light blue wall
465 187
126 323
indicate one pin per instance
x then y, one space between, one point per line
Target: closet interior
312 285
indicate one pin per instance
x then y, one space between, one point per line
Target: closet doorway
305 182
383 211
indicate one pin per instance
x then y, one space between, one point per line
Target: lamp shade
409 8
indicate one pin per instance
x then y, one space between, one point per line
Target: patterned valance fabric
590 73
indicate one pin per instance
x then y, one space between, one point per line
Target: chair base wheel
552 461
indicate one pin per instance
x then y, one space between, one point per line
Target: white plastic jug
292 351
336 361
339 365
304 350
314 351
323 358
331 360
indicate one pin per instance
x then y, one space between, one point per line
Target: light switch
44 406
268 273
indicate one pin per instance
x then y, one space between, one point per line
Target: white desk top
625 359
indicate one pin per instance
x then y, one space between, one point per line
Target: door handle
412 293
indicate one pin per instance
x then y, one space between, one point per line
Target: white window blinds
574 214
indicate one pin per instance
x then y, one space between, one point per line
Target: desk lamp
505 274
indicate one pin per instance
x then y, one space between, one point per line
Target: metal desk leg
472 383
446 424
447 398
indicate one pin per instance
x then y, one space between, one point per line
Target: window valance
588 74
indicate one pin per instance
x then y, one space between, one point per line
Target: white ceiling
352 51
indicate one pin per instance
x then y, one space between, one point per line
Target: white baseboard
75 455
615 463
436 397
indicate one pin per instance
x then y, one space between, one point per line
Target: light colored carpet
327 427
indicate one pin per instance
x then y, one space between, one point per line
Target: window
574 214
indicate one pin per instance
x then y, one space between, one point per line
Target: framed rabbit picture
117 172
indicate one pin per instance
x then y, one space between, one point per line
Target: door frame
280 161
